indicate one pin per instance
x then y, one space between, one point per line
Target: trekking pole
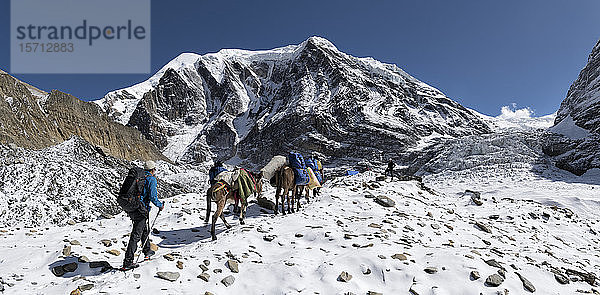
148 237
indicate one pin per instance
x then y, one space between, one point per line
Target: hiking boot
149 254
129 265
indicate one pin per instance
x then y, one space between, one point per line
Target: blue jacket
150 193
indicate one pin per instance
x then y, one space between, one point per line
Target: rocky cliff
574 143
34 119
583 99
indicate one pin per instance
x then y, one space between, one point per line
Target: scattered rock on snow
83 259
365 269
86 287
431 270
385 201
169 257
483 227
114 252
204 276
494 263
180 264
66 251
203 267
153 247
228 281
475 275
400 257
233 266
494 280
168 275
561 278
269 238
75 243
106 243
344 277
526 283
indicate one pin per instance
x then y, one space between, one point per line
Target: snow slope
385 250
70 182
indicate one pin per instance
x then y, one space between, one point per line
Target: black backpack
131 190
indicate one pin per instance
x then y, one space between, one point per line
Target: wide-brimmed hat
149 165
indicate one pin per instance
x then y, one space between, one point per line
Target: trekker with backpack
141 188
390 169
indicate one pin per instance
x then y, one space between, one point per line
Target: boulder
431 270
400 257
233 266
168 275
385 201
83 259
204 276
483 227
526 283
86 287
265 203
344 277
228 281
494 280
562 279
66 251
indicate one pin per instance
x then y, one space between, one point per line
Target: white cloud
511 112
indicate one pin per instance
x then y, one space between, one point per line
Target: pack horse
231 187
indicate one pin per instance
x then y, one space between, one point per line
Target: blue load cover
301 176
296 161
312 164
351 172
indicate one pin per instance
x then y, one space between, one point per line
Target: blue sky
483 54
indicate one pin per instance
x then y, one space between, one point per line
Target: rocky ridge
34 119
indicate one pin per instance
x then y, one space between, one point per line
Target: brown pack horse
221 193
285 183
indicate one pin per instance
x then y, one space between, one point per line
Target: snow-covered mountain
251 105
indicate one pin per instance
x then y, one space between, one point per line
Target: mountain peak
307 97
320 42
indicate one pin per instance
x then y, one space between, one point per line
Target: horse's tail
210 194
